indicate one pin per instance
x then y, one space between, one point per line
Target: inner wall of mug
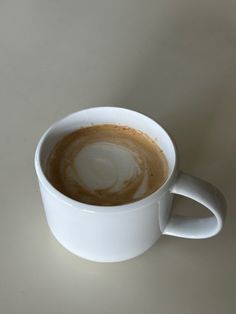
107 115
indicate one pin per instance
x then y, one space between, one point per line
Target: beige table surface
172 59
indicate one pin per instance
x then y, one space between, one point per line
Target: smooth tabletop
172 60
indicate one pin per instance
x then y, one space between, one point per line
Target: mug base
101 258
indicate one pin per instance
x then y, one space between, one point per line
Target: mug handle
205 194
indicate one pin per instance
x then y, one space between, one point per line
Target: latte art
106 165
97 167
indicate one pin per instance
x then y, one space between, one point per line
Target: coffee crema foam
106 165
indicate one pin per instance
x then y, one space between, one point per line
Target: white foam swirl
105 165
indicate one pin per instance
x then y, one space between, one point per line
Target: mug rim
101 208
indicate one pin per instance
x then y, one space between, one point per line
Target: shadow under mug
121 232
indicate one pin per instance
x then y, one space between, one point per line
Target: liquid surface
106 165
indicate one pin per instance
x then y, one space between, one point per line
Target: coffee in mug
106 165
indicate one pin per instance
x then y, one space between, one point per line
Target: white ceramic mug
117 233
